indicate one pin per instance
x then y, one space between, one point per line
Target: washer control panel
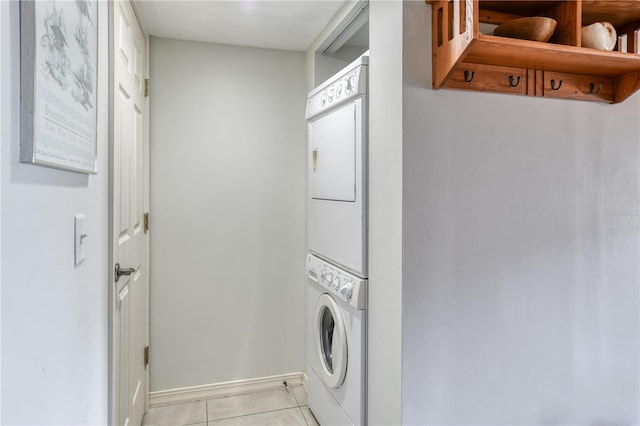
345 286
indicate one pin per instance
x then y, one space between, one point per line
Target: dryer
337 168
336 344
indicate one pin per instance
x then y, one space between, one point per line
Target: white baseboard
217 390
305 380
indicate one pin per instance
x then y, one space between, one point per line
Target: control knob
330 278
323 275
350 82
336 282
347 290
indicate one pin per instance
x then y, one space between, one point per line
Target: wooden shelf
457 41
492 50
520 8
619 13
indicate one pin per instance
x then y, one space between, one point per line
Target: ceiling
287 25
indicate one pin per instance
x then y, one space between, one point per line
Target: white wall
3 50
54 315
326 66
385 212
350 53
227 213
521 254
319 67
3 14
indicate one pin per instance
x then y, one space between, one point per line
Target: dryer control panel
348 287
347 84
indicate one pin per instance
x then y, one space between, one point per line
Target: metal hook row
470 75
593 89
513 82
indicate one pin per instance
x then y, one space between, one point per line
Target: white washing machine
337 185
336 344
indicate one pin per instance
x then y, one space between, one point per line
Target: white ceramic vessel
599 35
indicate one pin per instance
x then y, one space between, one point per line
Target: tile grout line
303 416
255 414
206 401
286 389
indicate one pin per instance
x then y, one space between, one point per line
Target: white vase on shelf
599 35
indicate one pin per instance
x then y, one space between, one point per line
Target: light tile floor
282 406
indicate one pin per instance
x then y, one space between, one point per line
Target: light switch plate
80 239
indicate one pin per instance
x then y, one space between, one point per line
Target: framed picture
59 66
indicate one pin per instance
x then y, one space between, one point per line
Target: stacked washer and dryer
337 241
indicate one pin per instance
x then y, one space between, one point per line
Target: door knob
123 271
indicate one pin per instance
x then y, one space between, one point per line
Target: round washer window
331 341
327 325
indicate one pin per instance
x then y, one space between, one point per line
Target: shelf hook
553 85
513 82
469 76
592 88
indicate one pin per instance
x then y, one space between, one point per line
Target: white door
332 139
129 203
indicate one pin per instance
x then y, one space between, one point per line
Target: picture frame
59 77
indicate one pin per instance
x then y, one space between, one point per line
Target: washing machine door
331 341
